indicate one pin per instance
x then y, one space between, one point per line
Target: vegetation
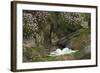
48 30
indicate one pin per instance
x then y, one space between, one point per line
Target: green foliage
46 27
27 30
35 55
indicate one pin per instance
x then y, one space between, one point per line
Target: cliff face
46 31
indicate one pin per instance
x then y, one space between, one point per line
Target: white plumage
64 51
56 52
